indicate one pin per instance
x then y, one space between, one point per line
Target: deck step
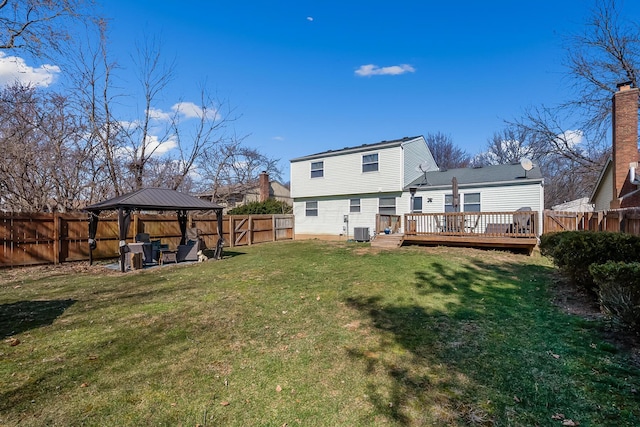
387 241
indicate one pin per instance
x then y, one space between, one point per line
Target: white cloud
278 138
157 114
188 110
310 18
572 137
394 70
13 68
153 143
193 111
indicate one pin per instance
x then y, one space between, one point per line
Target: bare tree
153 76
43 156
570 140
606 53
92 86
505 147
37 26
446 154
231 168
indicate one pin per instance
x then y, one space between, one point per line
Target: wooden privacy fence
619 220
45 238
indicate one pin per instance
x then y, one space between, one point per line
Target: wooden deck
503 230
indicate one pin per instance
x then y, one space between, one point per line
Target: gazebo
152 199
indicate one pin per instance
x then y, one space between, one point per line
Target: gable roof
158 199
358 149
606 169
486 175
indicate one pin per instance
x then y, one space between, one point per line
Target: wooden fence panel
262 229
283 226
618 220
53 238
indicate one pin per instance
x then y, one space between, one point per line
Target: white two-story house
335 191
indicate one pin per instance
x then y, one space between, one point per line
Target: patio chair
188 252
522 220
473 224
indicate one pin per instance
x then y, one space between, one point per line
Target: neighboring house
577 205
238 195
335 191
614 188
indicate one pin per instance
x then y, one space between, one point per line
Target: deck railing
487 224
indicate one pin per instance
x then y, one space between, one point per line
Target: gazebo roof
157 199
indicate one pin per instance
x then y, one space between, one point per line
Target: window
472 202
370 162
448 203
354 205
387 205
417 204
311 209
317 169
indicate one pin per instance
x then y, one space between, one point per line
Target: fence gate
240 231
565 221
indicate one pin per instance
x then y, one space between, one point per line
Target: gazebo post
124 219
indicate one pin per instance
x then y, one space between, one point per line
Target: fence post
57 235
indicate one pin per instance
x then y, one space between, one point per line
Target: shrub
619 291
549 243
270 206
574 251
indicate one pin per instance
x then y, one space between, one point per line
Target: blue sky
296 71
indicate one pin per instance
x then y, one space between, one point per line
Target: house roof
360 148
481 175
158 199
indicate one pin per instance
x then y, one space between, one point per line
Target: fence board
615 220
31 239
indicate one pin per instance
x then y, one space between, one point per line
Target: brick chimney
264 186
625 140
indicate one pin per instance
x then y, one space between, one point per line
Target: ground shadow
484 340
22 316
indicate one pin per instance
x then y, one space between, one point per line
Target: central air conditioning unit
361 234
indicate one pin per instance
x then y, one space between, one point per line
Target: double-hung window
311 209
354 205
370 162
317 169
387 206
472 202
417 204
448 203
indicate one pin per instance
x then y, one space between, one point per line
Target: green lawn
308 334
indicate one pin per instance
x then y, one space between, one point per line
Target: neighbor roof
363 147
481 175
158 199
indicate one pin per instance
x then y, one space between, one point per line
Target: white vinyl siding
344 175
330 219
416 154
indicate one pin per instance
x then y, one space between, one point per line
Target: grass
308 334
